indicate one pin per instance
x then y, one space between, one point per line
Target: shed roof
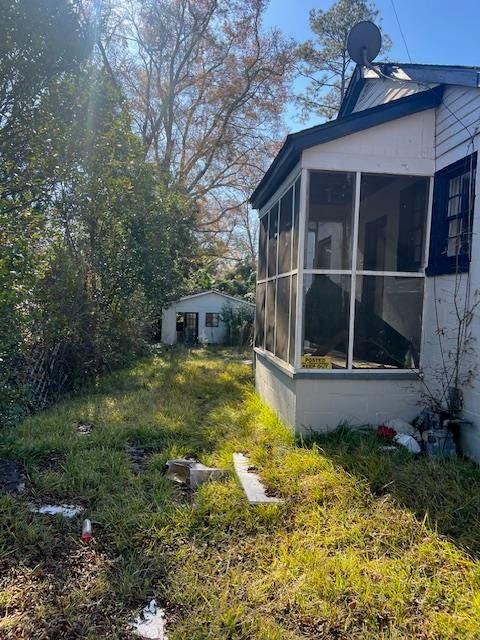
215 291
295 143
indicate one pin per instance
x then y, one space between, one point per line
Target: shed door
190 330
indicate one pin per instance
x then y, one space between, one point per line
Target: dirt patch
54 461
139 457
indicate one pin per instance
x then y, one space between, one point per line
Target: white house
369 254
197 318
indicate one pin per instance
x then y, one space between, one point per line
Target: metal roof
217 292
420 73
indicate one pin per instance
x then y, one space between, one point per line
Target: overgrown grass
349 554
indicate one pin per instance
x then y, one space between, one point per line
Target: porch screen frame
294 183
353 272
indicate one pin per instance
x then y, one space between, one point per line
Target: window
393 211
285 233
363 291
272 241
293 319
211 319
276 297
330 219
270 316
327 313
282 319
452 217
260 316
388 322
262 248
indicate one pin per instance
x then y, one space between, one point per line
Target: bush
239 325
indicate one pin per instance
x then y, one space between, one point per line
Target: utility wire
401 31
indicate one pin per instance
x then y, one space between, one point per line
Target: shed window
452 218
212 319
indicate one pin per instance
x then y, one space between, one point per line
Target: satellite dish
364 42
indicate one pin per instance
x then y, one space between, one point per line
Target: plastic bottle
86 530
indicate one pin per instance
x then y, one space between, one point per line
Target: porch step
251 483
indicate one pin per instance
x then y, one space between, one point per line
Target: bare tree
207 87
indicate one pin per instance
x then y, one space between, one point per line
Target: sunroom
345 215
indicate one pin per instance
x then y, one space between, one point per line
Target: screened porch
341 272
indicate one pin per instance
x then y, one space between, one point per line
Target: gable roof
295 143
215 291
420 73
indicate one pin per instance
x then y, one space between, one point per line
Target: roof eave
290 153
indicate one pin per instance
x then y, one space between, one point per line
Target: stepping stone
251 483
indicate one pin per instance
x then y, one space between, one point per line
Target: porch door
190 327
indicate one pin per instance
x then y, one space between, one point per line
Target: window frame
295 184
353 272
208 323
439 262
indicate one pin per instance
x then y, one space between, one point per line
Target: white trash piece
408 442
403 427
65 510
150 623
252 486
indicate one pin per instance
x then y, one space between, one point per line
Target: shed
197 318
368 245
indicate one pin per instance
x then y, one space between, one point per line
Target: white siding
381 90
440 318
402 146
210 302
324 404
459 111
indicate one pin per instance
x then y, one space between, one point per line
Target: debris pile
191 472
431 433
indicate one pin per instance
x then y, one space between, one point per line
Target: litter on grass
251 484
150 623
65 510
84 428
12 478
408 442
192 473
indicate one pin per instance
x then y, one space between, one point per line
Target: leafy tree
324 63
40 42
92 244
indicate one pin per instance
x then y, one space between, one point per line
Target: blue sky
436 31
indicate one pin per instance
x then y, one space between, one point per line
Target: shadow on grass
446 493
176 405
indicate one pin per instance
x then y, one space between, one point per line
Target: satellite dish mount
364 43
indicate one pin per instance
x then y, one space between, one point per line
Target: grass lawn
367 545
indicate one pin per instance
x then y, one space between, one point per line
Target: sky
436 31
